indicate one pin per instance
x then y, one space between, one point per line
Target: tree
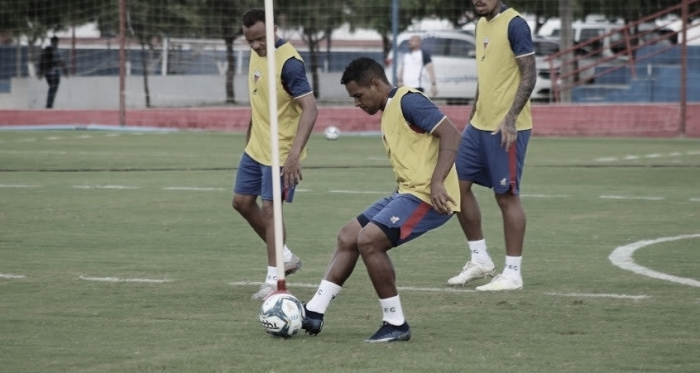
315 20
222 19
149 21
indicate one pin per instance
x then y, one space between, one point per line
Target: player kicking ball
421 143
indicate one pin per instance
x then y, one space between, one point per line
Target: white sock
287 253
324 295
512 267
480 254
393 313
271 277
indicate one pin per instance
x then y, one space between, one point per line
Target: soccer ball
331 132
281 315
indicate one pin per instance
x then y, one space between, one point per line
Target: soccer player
492 151
421 143
296 112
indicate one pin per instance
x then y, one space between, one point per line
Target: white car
543 91
454 56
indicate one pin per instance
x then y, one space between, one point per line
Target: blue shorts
402 217
482 159
255 179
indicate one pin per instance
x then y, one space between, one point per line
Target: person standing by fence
50 65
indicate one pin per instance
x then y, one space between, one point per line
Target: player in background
413 64
494 143
421 143
296 113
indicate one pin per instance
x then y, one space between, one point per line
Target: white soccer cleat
501 283
472 271
265 290
292 266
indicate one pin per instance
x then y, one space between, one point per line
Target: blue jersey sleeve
294 78
520 37
420 112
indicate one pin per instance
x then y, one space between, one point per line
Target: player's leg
253 180
340 268
403 219
506 167
246 190
470 169
53 80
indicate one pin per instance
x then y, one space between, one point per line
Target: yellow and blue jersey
498 43
407 123
291 83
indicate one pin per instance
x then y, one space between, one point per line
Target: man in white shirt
414 63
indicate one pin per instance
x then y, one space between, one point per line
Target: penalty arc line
622 257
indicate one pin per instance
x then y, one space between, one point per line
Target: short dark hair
362 70
253 16
54 39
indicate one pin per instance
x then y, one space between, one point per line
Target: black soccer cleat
391 333
313 322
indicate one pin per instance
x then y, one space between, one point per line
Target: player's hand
508 132
291 173
440 199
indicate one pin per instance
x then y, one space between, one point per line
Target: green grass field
82 206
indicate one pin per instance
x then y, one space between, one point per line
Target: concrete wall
165 91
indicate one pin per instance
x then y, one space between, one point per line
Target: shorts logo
394 219
503 182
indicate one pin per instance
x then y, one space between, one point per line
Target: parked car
454 57
543 87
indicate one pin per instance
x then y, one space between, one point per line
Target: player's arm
423 113
449 137
294 77
520 39
528 77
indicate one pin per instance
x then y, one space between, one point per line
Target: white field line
358 192
117 279
104 187
17 186
622 257
403 288
632 197
651 155
544 195
198 189
456 290
695 200
54 138
596 295
9 275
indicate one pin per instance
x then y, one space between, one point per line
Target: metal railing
616 49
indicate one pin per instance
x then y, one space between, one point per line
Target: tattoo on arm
528 77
